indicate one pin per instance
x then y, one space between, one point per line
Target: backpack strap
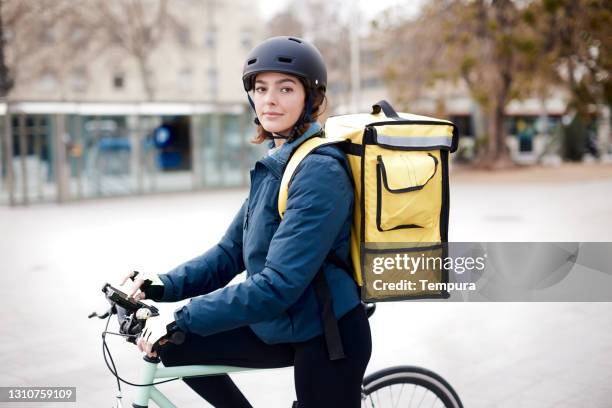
331 330
321 288
298 155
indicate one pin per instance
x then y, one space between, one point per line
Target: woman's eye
286 90
260 89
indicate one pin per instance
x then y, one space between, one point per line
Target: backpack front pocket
402 179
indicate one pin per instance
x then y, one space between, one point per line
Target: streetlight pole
354 58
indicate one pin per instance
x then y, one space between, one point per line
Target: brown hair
318 108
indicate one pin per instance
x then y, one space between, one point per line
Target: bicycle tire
425 381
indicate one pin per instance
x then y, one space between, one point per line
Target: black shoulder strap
330 323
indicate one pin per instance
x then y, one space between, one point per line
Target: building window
46 36
372 82
183 35
8 34
185 79
212 80
246 39
118 80
78 79
77 35
210 39
48 81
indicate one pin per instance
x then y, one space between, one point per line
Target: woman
273 319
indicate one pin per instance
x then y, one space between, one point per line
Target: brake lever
102 316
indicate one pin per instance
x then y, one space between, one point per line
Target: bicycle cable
113 370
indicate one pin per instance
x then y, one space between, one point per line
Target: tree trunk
145 77
496 155
502 155
6 82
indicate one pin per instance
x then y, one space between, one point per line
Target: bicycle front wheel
408 387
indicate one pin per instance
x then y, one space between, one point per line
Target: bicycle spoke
392 391
434 402
422 399
371 400
399 398
412 395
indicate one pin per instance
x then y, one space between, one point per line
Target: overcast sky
369 8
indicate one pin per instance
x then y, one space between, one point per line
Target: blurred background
126 99
123 97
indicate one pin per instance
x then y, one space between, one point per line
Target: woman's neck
279 139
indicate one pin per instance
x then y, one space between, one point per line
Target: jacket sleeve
319 202
211 270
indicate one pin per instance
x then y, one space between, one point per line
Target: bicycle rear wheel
408 387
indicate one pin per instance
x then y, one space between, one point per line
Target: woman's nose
270 98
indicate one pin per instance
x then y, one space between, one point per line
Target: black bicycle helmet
289 55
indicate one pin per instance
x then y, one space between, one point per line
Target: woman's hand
135 291
142 282
154 331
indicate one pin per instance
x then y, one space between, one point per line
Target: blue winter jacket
281 258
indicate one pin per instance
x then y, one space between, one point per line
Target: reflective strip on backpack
418 141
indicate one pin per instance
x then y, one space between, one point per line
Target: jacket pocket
401 178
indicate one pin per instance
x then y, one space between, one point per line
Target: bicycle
381 389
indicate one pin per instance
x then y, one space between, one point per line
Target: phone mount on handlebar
131 305
132 315
126 309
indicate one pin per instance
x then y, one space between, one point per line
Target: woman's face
279 101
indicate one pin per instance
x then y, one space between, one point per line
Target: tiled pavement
54 259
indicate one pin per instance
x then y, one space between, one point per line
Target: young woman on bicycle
273 318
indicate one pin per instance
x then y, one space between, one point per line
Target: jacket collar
276 161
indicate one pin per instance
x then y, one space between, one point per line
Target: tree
487 44
496 55
54 37
45 39
284 23
322 23
136 27
574 44
6 81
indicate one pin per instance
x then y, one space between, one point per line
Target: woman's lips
272 114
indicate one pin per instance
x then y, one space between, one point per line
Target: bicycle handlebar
117 297
131 314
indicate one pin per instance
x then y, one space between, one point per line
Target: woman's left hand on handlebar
154 331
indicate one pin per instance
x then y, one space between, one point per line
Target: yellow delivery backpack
399 165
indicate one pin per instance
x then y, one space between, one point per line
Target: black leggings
319 382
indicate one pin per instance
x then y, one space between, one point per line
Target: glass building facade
67 156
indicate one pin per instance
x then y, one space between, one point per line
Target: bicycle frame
151 372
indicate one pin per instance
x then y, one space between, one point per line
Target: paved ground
556 174
54 259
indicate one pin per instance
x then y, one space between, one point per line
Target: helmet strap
305 117
256 120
